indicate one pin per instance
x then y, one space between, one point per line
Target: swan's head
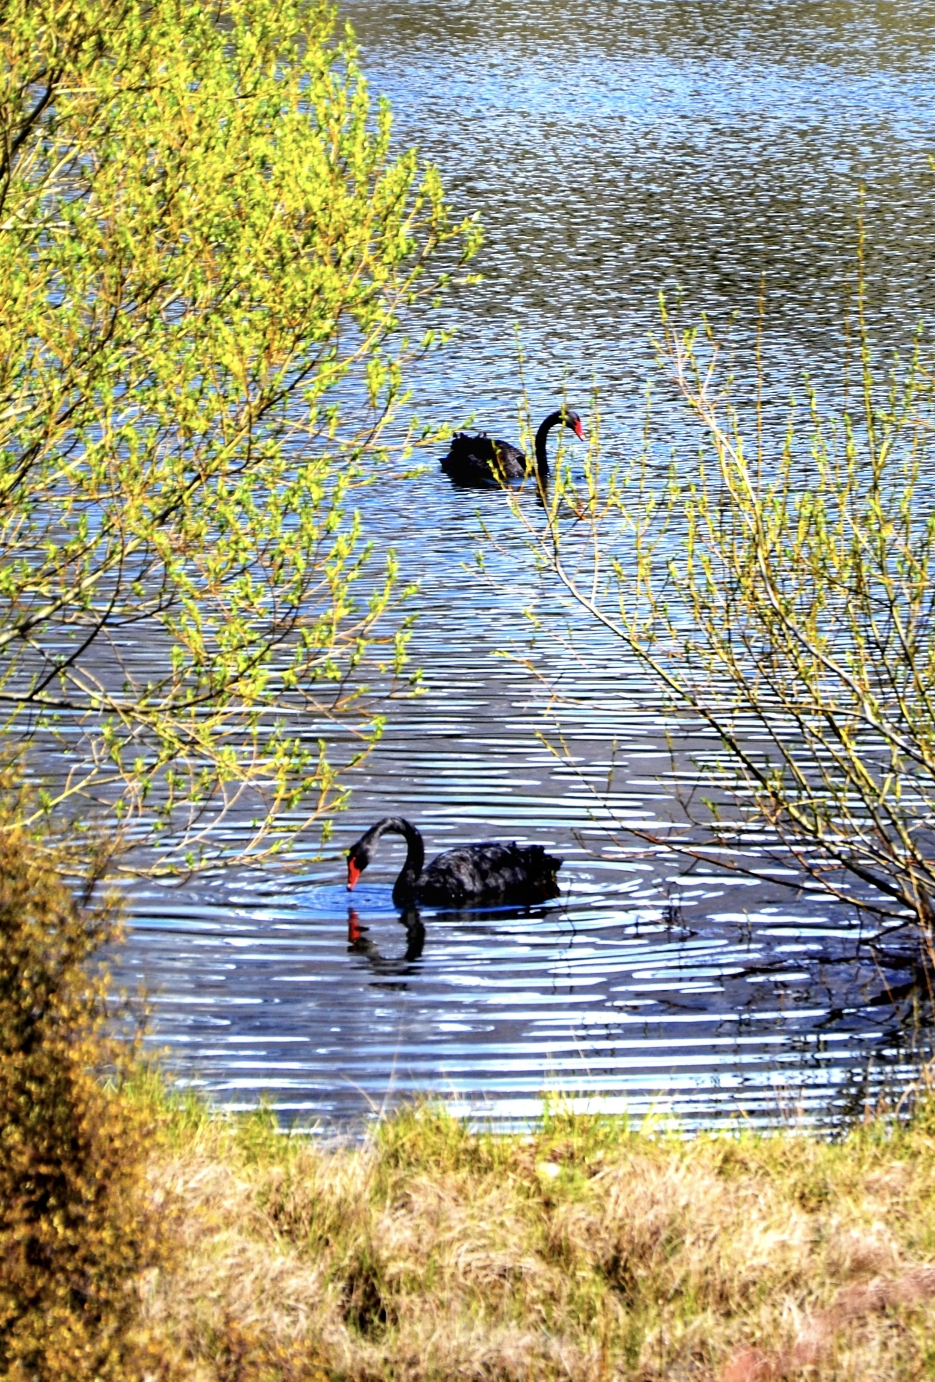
572 420
358 857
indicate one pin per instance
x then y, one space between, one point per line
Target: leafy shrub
210 261
779 585
77 1223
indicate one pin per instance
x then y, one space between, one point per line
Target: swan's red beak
579 430
353 873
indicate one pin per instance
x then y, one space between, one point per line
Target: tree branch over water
780 585
208 259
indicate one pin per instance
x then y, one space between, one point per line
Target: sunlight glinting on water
611 151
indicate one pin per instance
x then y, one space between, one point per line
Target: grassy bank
143 1240
585 1251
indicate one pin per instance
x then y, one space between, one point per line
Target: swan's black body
467 876
486 462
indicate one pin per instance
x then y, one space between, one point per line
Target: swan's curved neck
542 437
405 886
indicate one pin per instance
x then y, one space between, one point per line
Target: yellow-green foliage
208 252
778 582
585 1251
78 1223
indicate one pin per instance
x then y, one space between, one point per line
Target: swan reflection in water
360 943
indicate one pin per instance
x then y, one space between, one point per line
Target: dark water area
611 151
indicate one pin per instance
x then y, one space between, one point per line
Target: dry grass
586 1252
142 1240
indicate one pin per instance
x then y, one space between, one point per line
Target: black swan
487 462
466 876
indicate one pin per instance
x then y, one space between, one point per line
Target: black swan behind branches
466 876
486 462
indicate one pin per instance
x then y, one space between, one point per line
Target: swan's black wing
483 460
487 874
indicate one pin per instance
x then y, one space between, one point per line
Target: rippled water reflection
612 150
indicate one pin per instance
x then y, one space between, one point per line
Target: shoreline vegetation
585 1249
205 225
144 1235
216 271
778 589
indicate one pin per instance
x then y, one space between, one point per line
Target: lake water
612 150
